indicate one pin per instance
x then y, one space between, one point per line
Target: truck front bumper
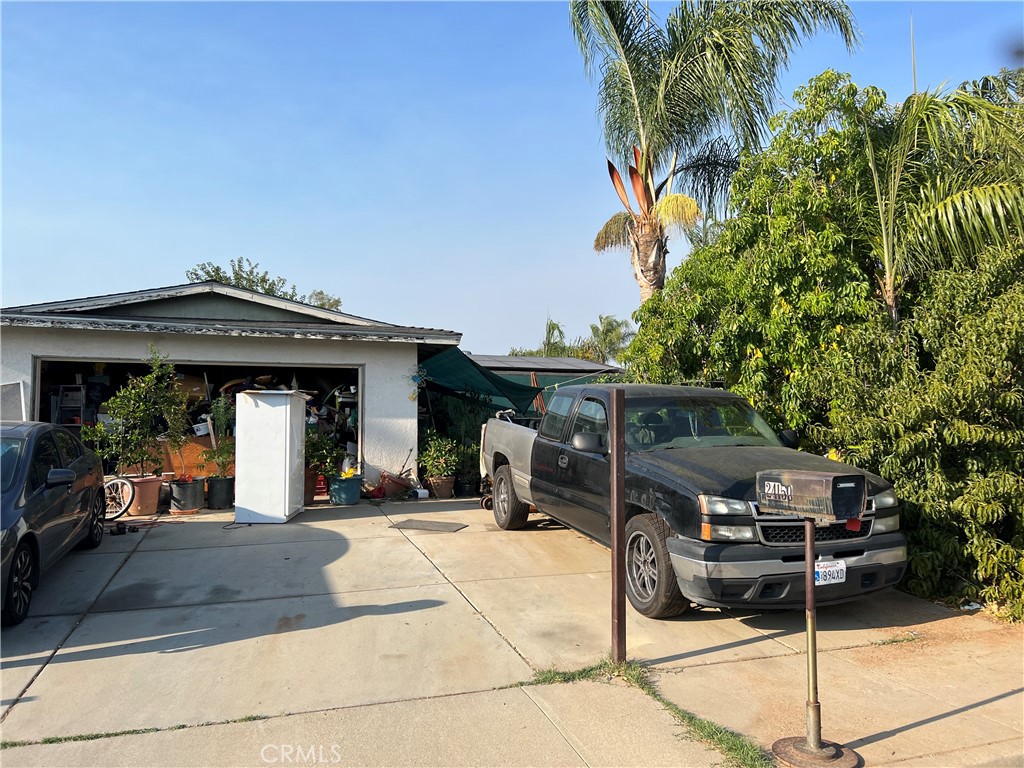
756 576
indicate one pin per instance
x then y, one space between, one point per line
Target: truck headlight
719 505
886 499
886 524
709 532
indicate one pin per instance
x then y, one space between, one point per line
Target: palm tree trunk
891 298
648 258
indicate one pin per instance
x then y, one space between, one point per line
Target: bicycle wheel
120 493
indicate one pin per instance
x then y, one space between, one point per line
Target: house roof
212 308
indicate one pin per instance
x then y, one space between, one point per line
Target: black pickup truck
694 533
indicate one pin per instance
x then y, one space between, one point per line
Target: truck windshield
656 423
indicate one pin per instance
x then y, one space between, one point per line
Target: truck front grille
786 534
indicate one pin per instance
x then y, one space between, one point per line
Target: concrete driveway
338 639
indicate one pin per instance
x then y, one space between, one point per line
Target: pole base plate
794 752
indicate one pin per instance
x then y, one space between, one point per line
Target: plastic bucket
344 490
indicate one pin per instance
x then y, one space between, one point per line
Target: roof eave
386 333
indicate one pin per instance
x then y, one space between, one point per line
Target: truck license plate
831 572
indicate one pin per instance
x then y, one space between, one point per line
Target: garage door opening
73 392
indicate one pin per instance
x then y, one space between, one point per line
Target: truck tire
651 584
509 512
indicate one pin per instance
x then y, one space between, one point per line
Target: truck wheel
650 581
509 512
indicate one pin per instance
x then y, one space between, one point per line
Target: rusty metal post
617 446
810 751
811 608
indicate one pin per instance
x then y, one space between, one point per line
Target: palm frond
678 211
706 173
615 233
726 59
961 222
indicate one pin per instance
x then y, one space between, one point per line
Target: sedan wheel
19 585
97 517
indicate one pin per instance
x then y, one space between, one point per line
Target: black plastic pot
221 492
187 495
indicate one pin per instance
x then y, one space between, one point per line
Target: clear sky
432 164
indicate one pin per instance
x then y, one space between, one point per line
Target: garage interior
73 393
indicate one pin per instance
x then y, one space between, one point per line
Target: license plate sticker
830 572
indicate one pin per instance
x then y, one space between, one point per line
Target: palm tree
610 336
677 101
947 174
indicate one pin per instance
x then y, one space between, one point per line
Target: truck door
545 469
583 485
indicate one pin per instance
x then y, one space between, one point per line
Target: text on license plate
831 572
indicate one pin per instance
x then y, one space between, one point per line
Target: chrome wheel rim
642 566
99 511
21 582
501 498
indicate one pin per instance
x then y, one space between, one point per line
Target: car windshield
10 451
656 423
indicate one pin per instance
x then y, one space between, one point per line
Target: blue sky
432 164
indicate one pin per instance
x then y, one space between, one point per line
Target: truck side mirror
789 438
589 442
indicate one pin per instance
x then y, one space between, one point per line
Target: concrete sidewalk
355 643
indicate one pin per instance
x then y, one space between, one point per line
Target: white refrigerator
270 452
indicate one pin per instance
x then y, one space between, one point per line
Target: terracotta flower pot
442 487
147 495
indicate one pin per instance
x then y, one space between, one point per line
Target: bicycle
120 493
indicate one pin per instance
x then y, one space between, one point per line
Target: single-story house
60 360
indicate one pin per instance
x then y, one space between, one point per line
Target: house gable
208 306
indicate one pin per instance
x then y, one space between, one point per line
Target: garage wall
388 415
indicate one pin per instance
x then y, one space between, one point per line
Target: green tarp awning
452 370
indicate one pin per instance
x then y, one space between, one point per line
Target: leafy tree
145 409
946 424
784 278
246 274
674 99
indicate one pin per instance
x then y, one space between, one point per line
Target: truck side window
591 417
554 419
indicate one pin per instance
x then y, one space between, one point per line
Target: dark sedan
51 498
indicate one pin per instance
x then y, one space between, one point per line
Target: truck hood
731 471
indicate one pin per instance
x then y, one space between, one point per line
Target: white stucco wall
388 416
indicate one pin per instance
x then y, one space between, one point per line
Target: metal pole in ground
809 751
617 502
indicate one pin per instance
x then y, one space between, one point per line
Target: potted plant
221 454
467 477
186 491
322 458
438 461
131 438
